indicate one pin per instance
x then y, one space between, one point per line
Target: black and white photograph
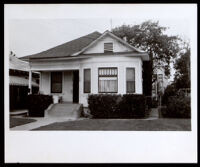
120 76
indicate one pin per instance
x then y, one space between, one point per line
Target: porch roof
20 81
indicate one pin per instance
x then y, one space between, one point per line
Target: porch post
30 82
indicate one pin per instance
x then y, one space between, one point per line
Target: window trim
84 80
51 82
107 76
107 51
134 80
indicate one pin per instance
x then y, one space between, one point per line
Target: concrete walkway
153 114
40 122
60 112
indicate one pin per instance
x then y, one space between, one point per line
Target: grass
122 125
19 121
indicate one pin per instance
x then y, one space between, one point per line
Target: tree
149 36
169 91
182 67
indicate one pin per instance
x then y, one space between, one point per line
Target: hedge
117 106
177 107
133 106
104 106
37 104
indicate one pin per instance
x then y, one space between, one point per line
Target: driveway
121 125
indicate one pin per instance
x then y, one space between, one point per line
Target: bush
117 106
169 91
37 104
104 105
132 106
178 107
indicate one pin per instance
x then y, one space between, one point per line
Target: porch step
65 110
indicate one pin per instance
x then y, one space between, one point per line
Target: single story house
92 64
19 82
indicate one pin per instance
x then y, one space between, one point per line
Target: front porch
63 84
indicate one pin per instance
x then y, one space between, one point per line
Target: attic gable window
108 47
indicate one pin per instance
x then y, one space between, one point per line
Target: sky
35 35
35 28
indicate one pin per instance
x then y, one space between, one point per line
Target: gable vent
108 47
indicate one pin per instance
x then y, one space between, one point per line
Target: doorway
75 86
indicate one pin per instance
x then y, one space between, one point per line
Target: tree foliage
182 67
150 36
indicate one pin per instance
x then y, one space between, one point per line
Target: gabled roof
78 46
113 36
68 48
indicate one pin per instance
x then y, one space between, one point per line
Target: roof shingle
67 48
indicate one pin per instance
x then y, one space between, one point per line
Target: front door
75 86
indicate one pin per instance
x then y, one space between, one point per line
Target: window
107 80
108 47
130 80
87 80
56 82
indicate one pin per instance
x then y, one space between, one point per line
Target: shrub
104 105
169 91
117 106
178 107
37 104
132 106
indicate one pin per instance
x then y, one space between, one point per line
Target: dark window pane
130 80
87 80
56 82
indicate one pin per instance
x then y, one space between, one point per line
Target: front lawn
122 125
19 121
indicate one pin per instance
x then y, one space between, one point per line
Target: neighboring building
161 81
18 81
95 63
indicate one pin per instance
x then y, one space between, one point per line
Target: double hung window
108 80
